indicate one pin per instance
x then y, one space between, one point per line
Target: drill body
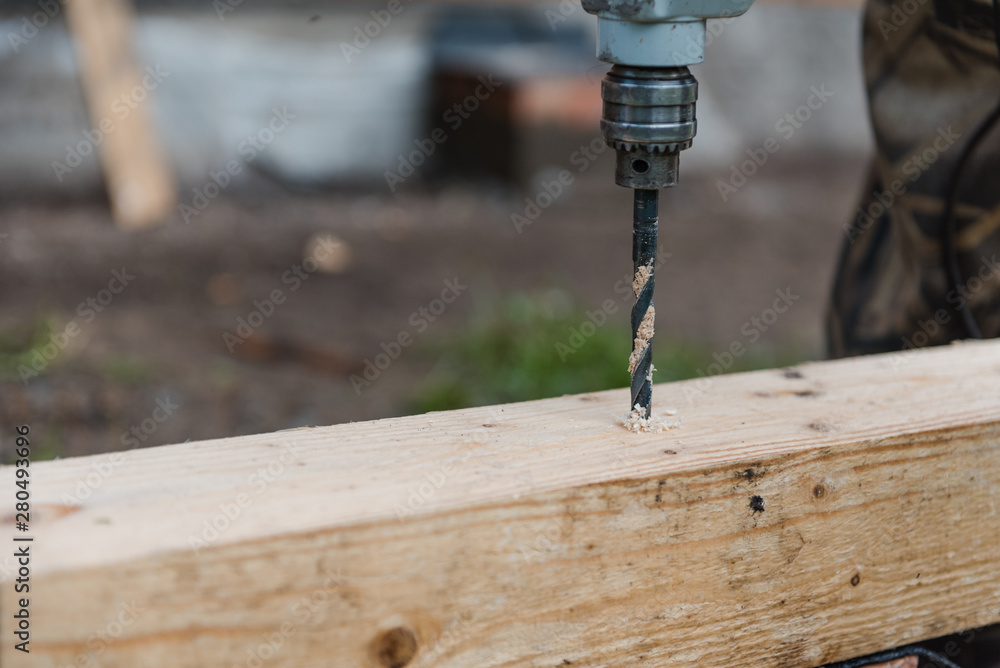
649 95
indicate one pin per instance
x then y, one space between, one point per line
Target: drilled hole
640 166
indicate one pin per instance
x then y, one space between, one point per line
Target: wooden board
796 517
140 181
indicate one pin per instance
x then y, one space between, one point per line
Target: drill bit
648 119
640 366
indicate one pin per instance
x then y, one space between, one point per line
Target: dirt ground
152 367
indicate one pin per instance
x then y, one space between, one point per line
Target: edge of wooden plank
394 470
675 571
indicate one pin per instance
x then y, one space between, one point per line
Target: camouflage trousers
931 70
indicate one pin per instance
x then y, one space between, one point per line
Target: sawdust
645 333
641 278
642 338
637 421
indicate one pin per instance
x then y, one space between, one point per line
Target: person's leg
931 69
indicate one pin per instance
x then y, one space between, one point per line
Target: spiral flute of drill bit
640 364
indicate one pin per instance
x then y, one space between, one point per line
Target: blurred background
378 208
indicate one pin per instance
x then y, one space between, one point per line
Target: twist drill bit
640 365
648 119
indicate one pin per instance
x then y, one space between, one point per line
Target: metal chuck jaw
649 118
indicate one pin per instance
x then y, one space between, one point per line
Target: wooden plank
795 518
140 181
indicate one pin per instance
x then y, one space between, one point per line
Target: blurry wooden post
140 182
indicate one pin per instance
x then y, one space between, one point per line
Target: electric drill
649 101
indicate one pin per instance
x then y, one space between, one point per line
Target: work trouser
931 70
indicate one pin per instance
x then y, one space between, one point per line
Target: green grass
18 343
509 353
50 445
127 370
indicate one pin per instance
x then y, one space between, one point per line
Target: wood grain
139 178
796 518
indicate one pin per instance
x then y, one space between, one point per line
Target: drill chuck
649 117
